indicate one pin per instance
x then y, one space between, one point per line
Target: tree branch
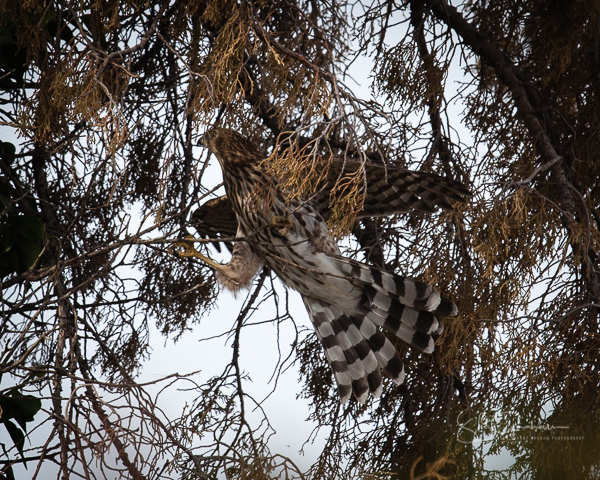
509 73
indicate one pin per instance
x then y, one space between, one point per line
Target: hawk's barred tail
409 292
399 305
355 349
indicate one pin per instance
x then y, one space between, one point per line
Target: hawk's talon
190 251
280 225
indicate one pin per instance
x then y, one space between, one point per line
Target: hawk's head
231 148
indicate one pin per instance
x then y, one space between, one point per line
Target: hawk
350 303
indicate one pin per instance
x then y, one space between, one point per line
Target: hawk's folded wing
215 219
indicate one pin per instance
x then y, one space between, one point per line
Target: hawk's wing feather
392 190
215 218
389 191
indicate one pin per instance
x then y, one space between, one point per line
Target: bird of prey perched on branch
350 303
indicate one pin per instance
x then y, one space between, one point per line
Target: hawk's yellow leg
190 251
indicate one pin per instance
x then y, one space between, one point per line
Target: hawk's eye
208 137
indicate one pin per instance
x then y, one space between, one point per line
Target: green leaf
29 405
9 408
13 60
9 263
6 35
8 237
20 243
19 407
8 474
29 251
17 435
29 227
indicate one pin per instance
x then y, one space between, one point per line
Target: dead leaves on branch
303 170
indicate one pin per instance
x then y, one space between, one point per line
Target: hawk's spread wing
390 190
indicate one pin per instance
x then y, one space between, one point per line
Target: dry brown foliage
109 100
